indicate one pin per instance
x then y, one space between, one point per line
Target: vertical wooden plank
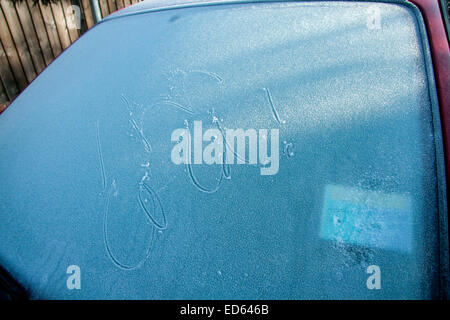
70 20
119 4
15 28
61 25
84 26
30 36
41 32
50 26
7 76
104 8
3 95
8 86
9 48
126 3
112 6
87 13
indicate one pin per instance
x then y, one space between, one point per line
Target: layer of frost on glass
87 177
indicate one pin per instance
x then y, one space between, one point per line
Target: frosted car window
235 151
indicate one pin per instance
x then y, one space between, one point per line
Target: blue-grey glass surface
86 176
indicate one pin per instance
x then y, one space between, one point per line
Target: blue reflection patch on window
367 218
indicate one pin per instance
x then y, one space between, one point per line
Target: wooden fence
31 36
